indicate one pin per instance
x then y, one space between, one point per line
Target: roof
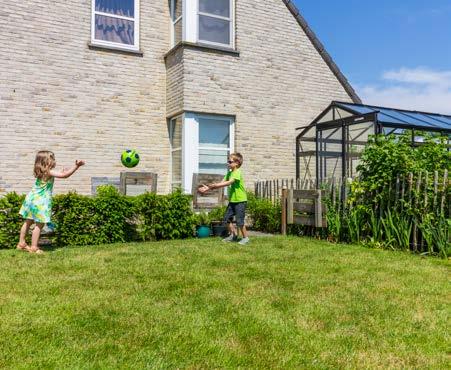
400 117
322 51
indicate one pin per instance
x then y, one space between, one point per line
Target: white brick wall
57 94
278 83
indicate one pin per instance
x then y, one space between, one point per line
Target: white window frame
191 147
190 23
179 148
174 21
116 45
231 19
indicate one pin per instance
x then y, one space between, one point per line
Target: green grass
276 303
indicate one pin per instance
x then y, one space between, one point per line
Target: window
214 144
215 22
115 23
175 134
199 144
177 21
203 21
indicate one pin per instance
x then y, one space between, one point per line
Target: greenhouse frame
331 146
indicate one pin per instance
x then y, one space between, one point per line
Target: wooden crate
135 183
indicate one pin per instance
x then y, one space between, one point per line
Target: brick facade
58 94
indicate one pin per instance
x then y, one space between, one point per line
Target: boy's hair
44 162
238 158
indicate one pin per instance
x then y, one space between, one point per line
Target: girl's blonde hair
44 162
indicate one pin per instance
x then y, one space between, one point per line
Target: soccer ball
130 158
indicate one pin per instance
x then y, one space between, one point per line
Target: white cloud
420 89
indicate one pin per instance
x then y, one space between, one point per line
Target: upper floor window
177 21
215 21
115 23
203 21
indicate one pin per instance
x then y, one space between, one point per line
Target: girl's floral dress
37 205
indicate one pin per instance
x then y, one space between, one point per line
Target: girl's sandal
22 247
35 250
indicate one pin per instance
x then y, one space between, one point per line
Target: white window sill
206 47
118 49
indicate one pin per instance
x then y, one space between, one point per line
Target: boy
237 198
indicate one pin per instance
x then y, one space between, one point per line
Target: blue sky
394 53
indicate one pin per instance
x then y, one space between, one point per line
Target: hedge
108 217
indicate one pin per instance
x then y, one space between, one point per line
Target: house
183 82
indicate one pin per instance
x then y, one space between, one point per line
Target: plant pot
203 231
220 229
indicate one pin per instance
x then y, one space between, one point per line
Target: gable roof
322 51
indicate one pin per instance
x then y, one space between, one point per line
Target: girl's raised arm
65 173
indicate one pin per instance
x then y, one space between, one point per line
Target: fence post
434 202
445 185
290 213
284 210
415 220
318 209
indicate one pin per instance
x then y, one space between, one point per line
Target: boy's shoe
230 238
244 241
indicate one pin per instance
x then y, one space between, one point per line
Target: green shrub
265 215
375 213
108 217
10 220
165 216
74 221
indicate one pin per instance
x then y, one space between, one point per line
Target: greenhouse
331 146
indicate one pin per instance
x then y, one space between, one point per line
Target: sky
395 53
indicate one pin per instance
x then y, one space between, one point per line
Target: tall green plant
437 233
265 215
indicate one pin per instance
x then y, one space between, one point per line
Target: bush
265 215
165 216
375 212
10 220
108 217
82 220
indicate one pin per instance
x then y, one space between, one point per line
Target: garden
124 283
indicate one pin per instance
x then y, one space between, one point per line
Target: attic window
115 24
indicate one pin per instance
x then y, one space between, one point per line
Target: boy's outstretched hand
203 189
79 162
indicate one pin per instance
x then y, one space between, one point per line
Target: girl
37 206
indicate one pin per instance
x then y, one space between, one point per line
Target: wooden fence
272 189
404 190
420 194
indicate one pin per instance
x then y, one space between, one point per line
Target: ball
130 158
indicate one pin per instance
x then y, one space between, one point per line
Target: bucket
203 231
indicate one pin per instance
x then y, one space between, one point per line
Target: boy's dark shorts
238 210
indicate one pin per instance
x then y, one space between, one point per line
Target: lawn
276 303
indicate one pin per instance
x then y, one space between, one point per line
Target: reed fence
414 198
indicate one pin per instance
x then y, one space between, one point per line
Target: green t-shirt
237 192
